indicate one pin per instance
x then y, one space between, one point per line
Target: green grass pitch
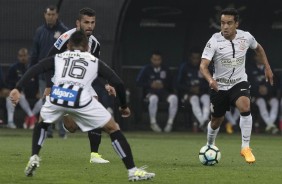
173 157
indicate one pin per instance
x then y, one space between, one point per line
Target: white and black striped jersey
229 57
93 44
74 74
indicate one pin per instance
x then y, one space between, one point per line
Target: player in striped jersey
75 70
86 21
229 84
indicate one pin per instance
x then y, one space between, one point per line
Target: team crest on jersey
57 34
63 94
242 45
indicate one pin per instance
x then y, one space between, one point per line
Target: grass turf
173 157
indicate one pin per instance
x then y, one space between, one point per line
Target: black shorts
222 100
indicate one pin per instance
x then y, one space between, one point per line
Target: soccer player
75 70
86 21
229 84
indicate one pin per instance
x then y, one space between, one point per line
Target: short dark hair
231 11
51 7
86 11
78 38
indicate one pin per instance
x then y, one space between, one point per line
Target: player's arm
268 72
204 69
106 72
43 66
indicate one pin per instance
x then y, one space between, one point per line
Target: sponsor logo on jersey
228 81
63 94
233 62
58 43
57 34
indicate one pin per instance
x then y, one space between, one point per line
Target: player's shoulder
243 33
63 39
93 38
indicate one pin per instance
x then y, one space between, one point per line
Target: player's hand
15 96
125 112
213 85
269 75
47 92
111 90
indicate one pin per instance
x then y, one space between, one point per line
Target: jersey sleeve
252 41
210 49
62 41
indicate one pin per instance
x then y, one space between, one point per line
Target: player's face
156 60
228 26
23 56
87 24
51 17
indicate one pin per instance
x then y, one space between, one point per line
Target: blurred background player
14 74
193 88
156 81
264 96
44 38
232 117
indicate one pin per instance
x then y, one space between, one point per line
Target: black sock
122 148
95 139
38 137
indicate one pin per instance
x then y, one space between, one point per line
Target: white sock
211 135
173 106
25 106
205 99
273 109
153 107
10 110
263 110
196 108
246 129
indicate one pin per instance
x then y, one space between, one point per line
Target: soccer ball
209 155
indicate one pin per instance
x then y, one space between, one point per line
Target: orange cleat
248 155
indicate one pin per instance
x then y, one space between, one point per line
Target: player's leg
153 108
172 110
10 113
94 136
219 103
243 103
274 106
123 149
31 119
196 108
50 113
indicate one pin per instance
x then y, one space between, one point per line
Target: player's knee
153 99
69 125
111 126
172 99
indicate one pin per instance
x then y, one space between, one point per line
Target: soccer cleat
229 128
32 164
168 128
271 129
96 158
248 155
155 127
140 174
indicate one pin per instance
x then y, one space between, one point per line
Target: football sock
211 135
95 137
196 108
25 106
38 137
246 129
122 148
10 110
153 107
274 103
172 110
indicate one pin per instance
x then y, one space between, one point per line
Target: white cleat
168 128
32 164
96 158
140 174
155 127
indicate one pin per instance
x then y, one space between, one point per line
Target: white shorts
92 116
